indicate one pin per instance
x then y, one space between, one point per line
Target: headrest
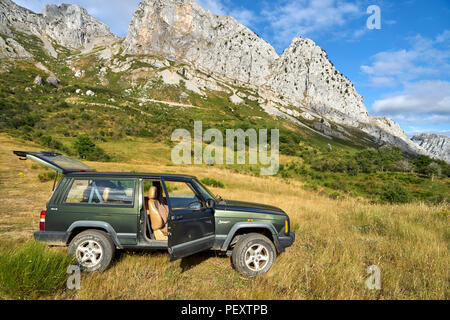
153 193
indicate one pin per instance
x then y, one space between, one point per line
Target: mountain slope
180 43
437 145
301 79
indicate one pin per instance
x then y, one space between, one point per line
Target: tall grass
31 271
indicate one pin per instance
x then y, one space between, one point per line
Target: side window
182 196
101 191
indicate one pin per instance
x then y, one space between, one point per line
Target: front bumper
52 237
286 241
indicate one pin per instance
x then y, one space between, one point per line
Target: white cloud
219 7
424 102
412 131
306 17
426 57
215 6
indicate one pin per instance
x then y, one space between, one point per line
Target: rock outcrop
68 25
183 30
303 75
73 27
10 48
437 145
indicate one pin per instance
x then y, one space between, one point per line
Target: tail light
286 226
42 221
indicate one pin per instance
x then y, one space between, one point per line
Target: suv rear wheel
93 250
254 254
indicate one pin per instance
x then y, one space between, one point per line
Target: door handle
176 218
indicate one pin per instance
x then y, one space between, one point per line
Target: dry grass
336 242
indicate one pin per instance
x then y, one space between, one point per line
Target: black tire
245 251
94 245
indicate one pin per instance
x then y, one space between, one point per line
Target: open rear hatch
55 161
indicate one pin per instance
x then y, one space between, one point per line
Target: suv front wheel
93 250
254 254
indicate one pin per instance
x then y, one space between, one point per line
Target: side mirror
210 204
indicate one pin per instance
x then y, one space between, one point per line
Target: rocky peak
183 30
437 145
68 25
72 26
305 75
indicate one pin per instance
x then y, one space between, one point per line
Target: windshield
204 190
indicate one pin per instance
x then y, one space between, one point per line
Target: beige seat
158 212
106 194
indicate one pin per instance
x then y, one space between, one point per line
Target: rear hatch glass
55 161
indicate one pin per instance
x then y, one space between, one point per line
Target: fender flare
98 225
252 225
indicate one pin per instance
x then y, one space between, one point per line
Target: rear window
68 164
101 192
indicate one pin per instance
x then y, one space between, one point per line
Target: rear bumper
52 237
286 241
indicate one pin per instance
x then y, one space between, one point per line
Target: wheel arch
265 228
81 226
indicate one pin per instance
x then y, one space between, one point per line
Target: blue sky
402 70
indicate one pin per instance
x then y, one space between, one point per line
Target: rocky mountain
183 30
67 25
302 78
177 41
437 145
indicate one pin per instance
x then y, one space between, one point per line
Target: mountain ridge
437 145
302 77
218 53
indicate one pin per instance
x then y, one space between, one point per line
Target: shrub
213 183
32 270
86 149
48 141
394 193
47 176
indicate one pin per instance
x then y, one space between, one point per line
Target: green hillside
129 110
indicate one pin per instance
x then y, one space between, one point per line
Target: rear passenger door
191 224
110 200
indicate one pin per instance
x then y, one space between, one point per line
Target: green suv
96 213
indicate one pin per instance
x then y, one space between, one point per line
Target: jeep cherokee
96 213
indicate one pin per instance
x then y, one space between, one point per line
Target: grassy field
336 241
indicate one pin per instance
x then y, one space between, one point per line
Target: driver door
191 224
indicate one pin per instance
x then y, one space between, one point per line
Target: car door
191 223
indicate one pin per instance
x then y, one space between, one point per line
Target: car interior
157 211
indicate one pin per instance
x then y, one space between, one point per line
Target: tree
84 146
404 166
421 163
433 170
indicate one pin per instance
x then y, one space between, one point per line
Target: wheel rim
257 257
89 253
